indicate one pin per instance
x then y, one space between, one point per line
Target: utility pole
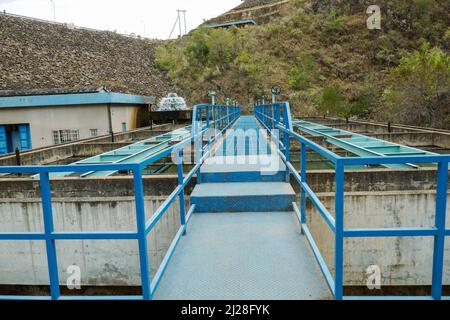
179 21
145 31
185 24
54 10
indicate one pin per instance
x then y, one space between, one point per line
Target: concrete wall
404 261
374 198
102 262
43 120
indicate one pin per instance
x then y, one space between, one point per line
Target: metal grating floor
246 138
240 256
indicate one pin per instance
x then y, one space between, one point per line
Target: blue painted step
243 169
243 197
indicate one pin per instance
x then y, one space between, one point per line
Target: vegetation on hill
327 61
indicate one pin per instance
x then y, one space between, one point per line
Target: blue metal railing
269 117
211 120
143 226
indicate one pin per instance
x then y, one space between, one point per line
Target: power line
174 26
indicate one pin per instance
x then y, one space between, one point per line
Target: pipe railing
213 120
143 226
269 116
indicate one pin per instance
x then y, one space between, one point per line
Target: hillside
36 54
327 61
262 11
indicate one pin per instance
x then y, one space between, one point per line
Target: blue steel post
439 239
339 233
198 141
223 117
214 118
208 126
201 133
277 120
303 178
286 138
219 118
142 237
180 182
48 229
272 109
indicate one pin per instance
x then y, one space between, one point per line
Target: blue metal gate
25 137
3 140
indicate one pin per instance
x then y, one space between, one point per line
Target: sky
148 18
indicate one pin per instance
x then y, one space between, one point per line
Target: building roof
68 96
232 24
49 91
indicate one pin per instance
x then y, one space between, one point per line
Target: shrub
420 87
333 28
301 74
332 101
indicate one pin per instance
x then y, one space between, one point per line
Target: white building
39 118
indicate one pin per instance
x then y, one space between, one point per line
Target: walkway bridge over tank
245 234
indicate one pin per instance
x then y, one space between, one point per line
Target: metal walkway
229 253
242 256
245 139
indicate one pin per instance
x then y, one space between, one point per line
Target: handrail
221 120
218 118
268 116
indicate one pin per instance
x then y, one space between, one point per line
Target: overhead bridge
245 234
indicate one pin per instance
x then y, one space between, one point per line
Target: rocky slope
36 54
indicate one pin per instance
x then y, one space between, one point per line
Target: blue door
3 140
25 137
